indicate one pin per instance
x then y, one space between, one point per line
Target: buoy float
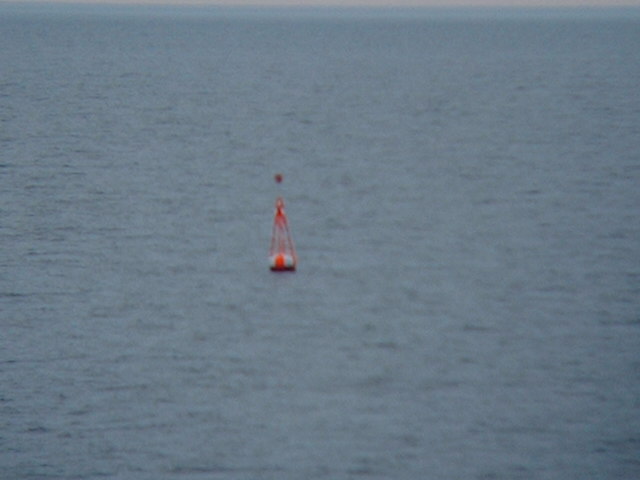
282 254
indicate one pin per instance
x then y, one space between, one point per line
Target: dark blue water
463 190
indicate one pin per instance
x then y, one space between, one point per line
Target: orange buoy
282 254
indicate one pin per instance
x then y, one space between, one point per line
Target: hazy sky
425 3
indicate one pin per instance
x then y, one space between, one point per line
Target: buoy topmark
282 254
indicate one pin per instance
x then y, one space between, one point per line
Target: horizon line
348 4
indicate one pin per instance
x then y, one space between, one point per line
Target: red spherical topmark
278 177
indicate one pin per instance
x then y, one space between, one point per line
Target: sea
463 190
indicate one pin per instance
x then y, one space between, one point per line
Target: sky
372 3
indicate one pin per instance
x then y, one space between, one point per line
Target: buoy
282 254
278 177
281 261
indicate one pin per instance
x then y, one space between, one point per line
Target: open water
463 189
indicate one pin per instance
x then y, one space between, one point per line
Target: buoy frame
282 254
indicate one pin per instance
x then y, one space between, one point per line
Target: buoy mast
282 253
